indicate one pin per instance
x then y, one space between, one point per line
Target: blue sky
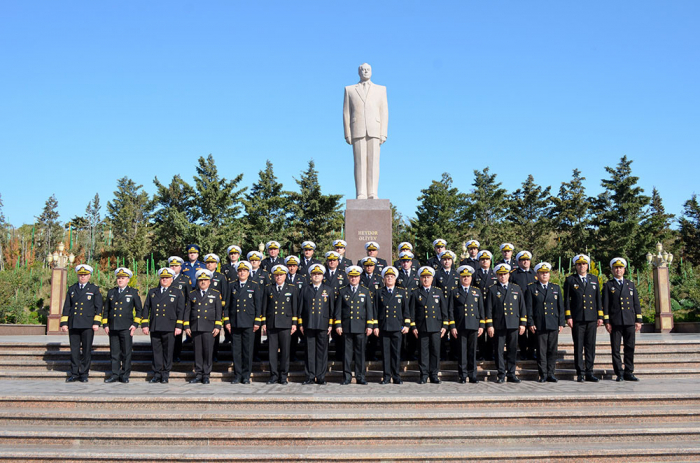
93 91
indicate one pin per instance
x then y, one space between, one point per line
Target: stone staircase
657 419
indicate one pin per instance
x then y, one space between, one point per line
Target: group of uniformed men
484 312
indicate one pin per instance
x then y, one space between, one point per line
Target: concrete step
535 451
456 434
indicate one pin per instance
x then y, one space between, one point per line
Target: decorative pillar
59 281
662 289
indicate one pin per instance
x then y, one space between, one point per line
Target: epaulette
532 283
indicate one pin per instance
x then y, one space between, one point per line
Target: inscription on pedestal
367 220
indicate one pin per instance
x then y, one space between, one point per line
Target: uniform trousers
528 344
203 342
626 334
242 340
316 354
80 351
120 347
163 345
467 341
547 343
429 358
507 339
584 334
391 353
279 339
354 350
177 346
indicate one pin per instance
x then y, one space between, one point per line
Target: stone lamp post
662 288
59 260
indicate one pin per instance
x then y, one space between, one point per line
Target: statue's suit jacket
365 116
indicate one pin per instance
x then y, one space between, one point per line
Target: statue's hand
348 140
382 140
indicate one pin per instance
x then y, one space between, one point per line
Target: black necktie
315 290
121 290
390 292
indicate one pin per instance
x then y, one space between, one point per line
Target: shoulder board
214 289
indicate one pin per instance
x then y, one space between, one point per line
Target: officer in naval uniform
300 281
429 321
279 322
467 321
394 319
523 276
262 278
406 246
219 282
484 278
229 269
334 277
202 321
193 264
81 317
317 309
583 310
622 315
182 282
162 318
507 255
354 320
273 256
506 318
343 262
243 319
408 276
372 249
439 245
122 309
545 319
308 248
473 249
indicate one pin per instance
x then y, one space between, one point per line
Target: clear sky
93 91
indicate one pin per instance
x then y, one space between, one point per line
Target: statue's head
365 72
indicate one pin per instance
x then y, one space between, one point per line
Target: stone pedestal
59 280
662 295
368 220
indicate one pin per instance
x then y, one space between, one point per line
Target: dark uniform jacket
339 279
122 311
299 280
545 310
343 263
374 283
280 308
262 277
381 263
190 270
393 310
621 307
203 313
484 281
355 311
434 262
317 309
220 283
582 304
269 262
182 282
82 308
429 310
522 278
473 263
244 305
163 311
447 280
415 264
513 264
409 282
230 271
304 267
466 309
505 309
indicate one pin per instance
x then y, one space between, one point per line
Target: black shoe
362 381
245 381
321 382
71 379
398 381
345 382
513 379
422 381
592 379
579 378
284 382
205 381
176 360
112 379
155 379
552 379
124 380
473 380
164 381
308 381
435 380
272 381
385 381
236 381
500 381
83 380
631 377
462 380
619 379
195 380
541 380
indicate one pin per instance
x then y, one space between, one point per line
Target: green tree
129 214
619 212
217 207
690 230
571 219
172 218
315 216
657 226
94 221
528 211
266 211
487 210
49 228
441 213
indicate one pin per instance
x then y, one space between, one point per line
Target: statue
365 117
